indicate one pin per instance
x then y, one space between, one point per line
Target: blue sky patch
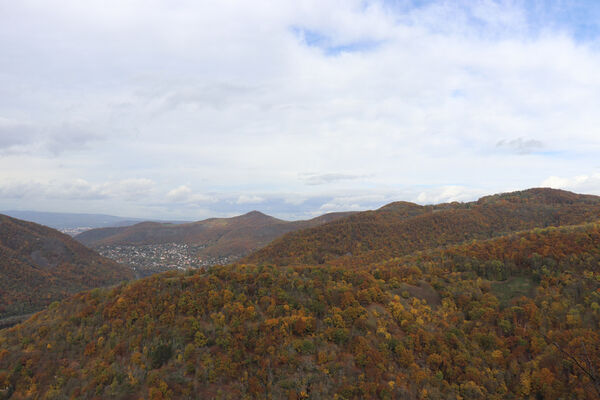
329 46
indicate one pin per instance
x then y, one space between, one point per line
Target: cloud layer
194 109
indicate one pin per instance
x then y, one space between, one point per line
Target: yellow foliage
525 380
497 355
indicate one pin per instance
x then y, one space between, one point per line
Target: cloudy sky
191 109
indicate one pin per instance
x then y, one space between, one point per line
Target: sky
193 109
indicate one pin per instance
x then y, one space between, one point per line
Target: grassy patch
512 288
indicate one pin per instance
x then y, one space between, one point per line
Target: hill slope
436 324
402 228
39 265
235 237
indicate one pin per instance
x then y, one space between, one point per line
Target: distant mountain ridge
236 236
401 228
39 265
66 221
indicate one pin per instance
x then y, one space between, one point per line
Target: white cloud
338 207
79 189
582 183
295 199
183 194
180 193
249 199
354 202
327 178
129 189
520 145
27 137
240 98
448 194
14 134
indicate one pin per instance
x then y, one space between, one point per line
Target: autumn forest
494 299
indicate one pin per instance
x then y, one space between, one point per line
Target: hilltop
402 228
39 265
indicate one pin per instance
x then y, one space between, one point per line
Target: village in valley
152 258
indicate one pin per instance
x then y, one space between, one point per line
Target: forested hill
514 317
402 228
39 265
236 236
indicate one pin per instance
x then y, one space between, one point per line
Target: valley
151 247
153 258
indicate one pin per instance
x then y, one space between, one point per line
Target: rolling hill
39 265
511 317
402 228
221 237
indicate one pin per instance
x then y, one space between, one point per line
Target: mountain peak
400 206
255 213
256 216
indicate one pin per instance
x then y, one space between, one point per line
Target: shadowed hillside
402 228
39 265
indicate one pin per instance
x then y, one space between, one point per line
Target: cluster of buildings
75 231
152 258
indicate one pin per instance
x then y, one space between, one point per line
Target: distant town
75 231
150 259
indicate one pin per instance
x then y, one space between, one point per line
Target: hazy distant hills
235 237
39 265
402 228
72 221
